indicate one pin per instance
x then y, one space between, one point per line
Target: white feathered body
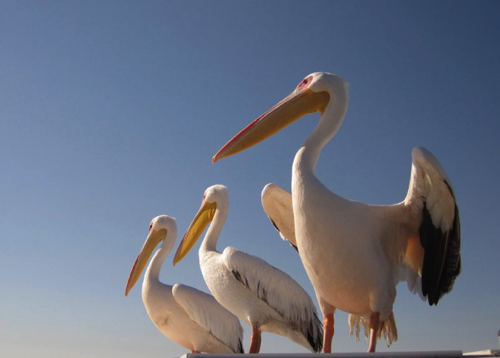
359 277
171 319
249 288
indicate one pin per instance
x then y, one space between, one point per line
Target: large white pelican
264 297
183 314
356 253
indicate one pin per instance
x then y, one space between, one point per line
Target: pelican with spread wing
355 253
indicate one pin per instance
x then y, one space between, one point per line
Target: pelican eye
304 83
150 227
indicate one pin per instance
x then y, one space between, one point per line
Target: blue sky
111 112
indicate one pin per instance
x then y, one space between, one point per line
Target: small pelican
264 297
355 253
183 314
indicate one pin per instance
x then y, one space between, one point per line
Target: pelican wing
432 207
277 204
208 313
278 290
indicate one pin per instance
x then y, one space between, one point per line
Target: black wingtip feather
315 340
274 224
442 262
240 347
278 229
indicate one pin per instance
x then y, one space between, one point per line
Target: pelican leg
374 325
255 339
328 331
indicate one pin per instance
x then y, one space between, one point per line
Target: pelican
354 253
183 314
264 297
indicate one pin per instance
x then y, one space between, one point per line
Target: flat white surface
427 354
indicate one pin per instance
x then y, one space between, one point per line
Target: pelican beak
296 105
153 239
198 225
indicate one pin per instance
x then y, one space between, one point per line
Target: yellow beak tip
177 259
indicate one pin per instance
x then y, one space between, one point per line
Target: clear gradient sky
111 112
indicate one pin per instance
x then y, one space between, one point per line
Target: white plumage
277 203
183 314
258 293
356 253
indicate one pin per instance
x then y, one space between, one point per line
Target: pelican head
315 93
214 198
161 228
